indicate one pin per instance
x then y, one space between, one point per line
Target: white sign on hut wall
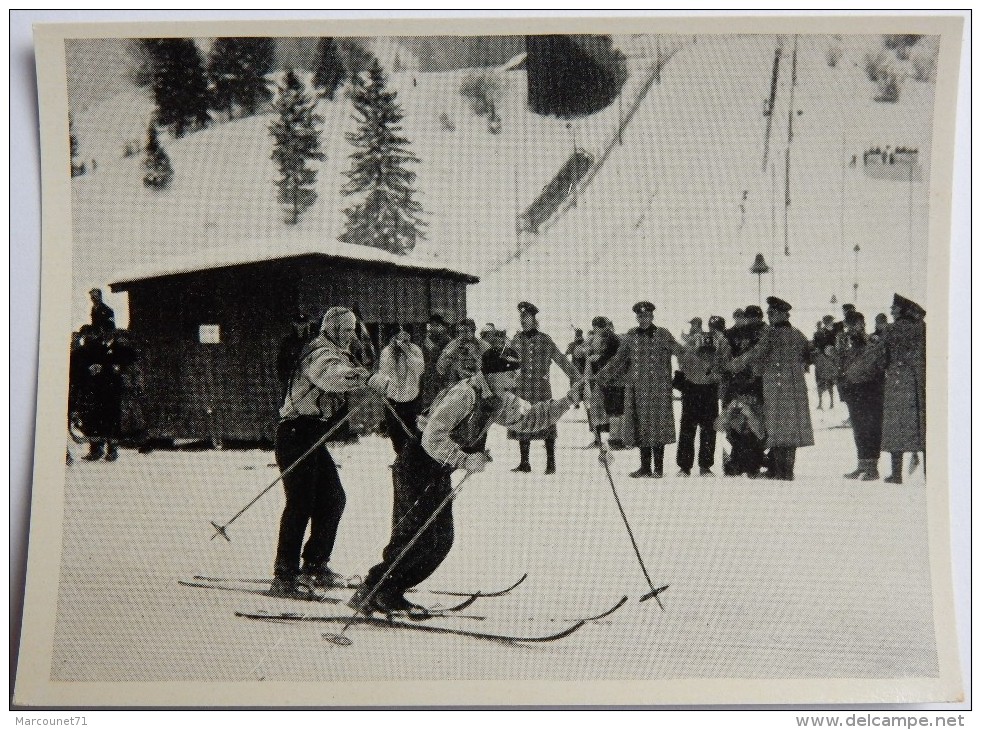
209 334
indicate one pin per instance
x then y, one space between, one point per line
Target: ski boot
287 587
320 577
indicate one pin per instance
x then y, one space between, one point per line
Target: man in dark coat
902 354
644 363
537 352
103 318
861 388
101 362
783 356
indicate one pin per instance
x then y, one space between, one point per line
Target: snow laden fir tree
388 217
237 72
297 141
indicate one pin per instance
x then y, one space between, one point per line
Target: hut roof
256 251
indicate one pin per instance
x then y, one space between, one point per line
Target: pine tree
179 84
159 173
328 69
297 140
388 217
237 69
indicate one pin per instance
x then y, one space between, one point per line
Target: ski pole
340 639
391 409
655 592
220 529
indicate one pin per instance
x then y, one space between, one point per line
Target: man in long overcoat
782 356
537 351
644 363
902 352
861 388
103 359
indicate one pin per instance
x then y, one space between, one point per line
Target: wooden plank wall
230 391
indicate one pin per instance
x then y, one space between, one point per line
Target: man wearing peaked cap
643 362
778 304
453 435
537 351
781 357
902 350
527 308
499 361
907 306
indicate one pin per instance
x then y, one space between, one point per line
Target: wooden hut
209 334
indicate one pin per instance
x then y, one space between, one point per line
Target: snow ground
818 578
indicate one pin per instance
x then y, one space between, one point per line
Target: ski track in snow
822 577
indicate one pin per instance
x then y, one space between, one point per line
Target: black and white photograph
589 361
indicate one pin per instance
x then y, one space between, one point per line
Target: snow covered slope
660 220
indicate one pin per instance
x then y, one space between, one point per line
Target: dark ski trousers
865 410
421 486
408 412
699 409
314 495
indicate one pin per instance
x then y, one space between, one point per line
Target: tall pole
773 222
786 203
793 84
909 268
841 207
517 215
855 285
759 268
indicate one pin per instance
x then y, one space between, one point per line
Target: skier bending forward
453 436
